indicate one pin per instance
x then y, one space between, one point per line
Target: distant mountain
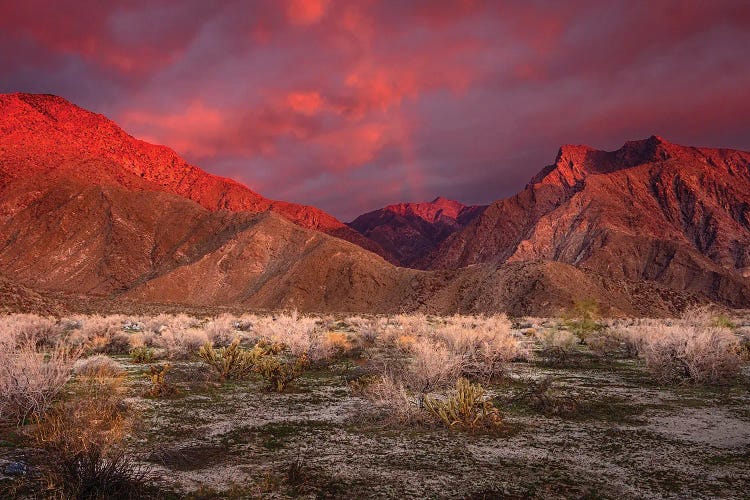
652 211
409 231
90 215
44 138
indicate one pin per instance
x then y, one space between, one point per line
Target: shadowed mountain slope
409 231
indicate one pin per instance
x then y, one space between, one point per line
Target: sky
350 105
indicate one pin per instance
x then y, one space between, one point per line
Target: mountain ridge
41 134
411 230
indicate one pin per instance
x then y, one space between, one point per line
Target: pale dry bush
388 393
684 352
31 378
368 329
302 335
161 322
179 342
221 330
700 316
484 343
335 343
98 366
97 334
25 327
432 365
557 345
553 339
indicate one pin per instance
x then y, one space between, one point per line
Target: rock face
409 231
44 138
652 210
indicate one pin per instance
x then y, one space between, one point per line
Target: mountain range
86 210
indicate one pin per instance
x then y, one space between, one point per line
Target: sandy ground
626 437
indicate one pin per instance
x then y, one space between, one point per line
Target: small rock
15 469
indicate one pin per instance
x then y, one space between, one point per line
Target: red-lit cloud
353 104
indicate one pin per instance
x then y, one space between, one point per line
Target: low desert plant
81 439
389 394
677 353
98 366
467 409
336 343
30 378
607 345
541 396
181 342
220 331
279 372
160 386
300 334
484 344
235 362
432 366
141 354
25 328
557 346
231 362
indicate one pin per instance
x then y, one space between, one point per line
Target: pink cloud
304 12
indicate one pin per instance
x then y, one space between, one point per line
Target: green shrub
141 354
157 375
583 321
279 372
231 362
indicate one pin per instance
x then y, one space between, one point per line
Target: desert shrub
607 345
160 386
301 335
141 354
336 343
180 342
677 353
541 396
220 331
83 455
583 320
25 328
98 366
484 344
431 366
111 343
405 342
234 362
467 409
700 315
389 394
279 372
557 346
367 329
30 378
